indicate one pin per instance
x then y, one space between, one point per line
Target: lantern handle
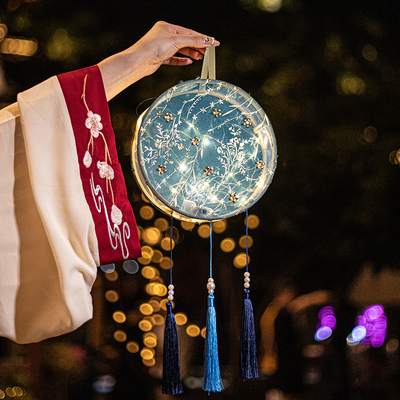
208 69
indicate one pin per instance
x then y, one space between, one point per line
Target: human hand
159 46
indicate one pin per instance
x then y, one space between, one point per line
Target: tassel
212 378
171 372
248 348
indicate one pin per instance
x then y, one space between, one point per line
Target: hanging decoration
205 151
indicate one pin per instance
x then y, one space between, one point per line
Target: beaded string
210 284
247 273
170 286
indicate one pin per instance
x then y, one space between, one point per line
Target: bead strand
246 280
171 292
210 286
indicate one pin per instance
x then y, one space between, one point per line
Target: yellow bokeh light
180 318
146 309
146 212
147 251
242 241
149 363
240 260
160 290
158 319
20 47
157 256
203 332
161 224
204 231
112 276
18 391
146 353
253 221
151 235
112 296
220 226
144 260
150 341
163 304
132 347
166 244
119 316
148 272
193 331
155 304
166 263
144 198
149 288
187 226
2 394
120 336
145 325
228 245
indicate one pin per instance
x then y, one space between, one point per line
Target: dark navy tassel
248 348
212 377
171 372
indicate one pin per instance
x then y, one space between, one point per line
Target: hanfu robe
64 210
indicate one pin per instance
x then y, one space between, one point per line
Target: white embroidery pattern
106 171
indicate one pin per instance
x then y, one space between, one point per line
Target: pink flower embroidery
116 215
87 160
93 123
105 170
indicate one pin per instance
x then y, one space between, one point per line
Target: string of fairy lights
155 240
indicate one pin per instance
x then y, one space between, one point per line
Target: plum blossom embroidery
93 123
106 171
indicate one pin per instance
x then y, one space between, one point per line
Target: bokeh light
157 256
151 235
145 325
166 263
130 266
166 244
161 224
204 231
146 309
253 221
242 241
146 353
132 347
227 245
119 316
240 260
149 272
146 212
220 226
107 268
180 318
112 276
187 226
193 330
112 296
120 336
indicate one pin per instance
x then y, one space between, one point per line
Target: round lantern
205 150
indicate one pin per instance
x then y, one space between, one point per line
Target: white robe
63 205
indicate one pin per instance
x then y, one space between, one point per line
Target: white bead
210 280
171 287
247 274
247 279
210 285
247 285
210 291
171 292
170 297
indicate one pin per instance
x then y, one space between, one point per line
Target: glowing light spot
369 52
358 333
203 231
157 256
120 336
108 268
228 245
166 263
145 325
146 212
162 224
193 331
163 304
147 354
183 167
351 84
187 226
119 316
206 142
155 304
203 332
144 198
149 363
166 244
323 333
158 319
112 296
150 341
132 347
220 226
20 47
130 266
148 272
112 276
60 47
151 235
242 241
146 309
180 318
253 221
240 260
160 290
3 30
270 5
2 394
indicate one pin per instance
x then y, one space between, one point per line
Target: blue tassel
171 371
248 348
212 377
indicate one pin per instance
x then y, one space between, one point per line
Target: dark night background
327 73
